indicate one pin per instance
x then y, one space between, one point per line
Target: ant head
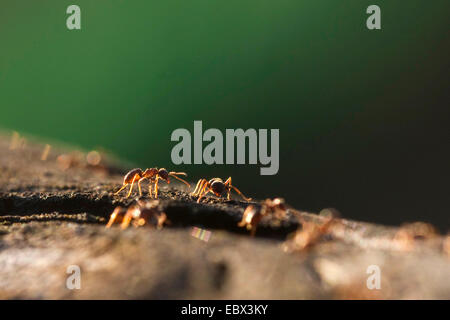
217 186
150 173
279 202
164 174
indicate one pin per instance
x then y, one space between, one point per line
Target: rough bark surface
53 214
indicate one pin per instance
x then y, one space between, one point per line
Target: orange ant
310 234
216 186
153 175
145 212
253 215
410 233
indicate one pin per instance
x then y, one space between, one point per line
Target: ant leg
111 221
150 189
132 183
123 187
139 185
113 217
237 190
196 187
203 192
199 187
173 174
202 189
126 220
156 188
228 183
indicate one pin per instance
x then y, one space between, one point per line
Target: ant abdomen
131 174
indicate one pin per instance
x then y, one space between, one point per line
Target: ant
411 233
216 186
145 212
310 234
253 214
153 175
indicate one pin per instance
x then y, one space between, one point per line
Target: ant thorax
150 173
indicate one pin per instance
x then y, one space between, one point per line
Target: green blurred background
363 115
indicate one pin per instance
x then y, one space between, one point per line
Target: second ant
153 175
